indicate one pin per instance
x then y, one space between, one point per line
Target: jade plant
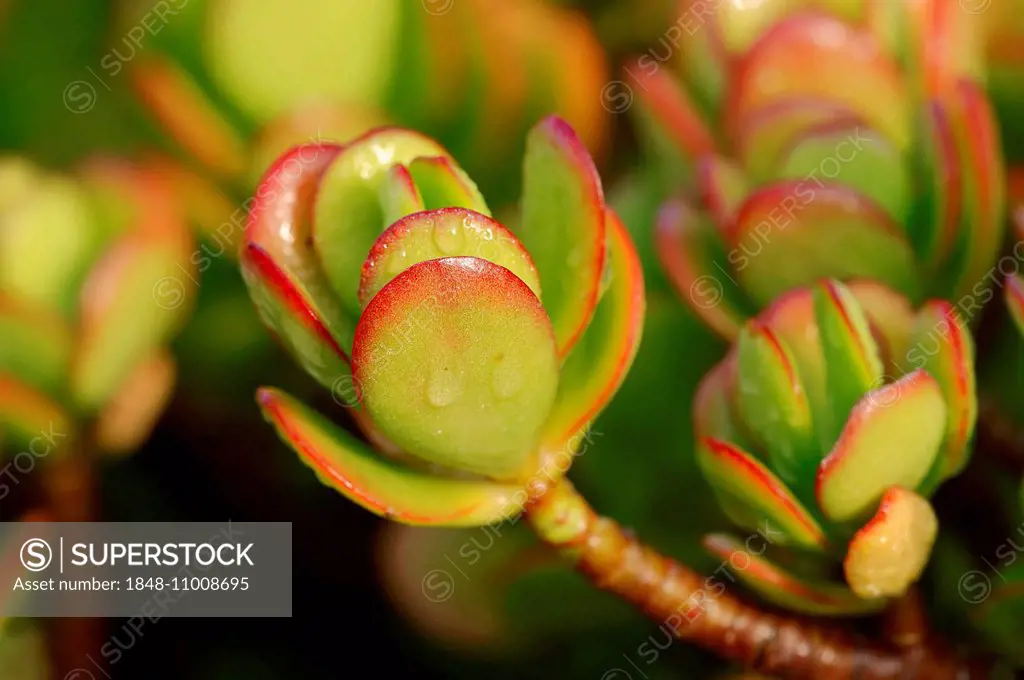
831 421
891 171
379 266
472 355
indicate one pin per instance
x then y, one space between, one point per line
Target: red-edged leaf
563 226
399 195
383 486
853 364
941 345
128 419
187 115
671 109
296 316
455 362
752 495
935 226
26 413
137 295
593 373
783 588
802 55
347 214
797 232
443 184
975 127
690 250
447 232
36 344
767 132
714 410
889 553
771 400
891 438
282 273
723 186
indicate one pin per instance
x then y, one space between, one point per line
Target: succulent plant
857 142
379 267
833 418
472 72
87 312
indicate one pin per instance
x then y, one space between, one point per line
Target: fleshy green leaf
384 487
347 213
399 195
127 420
984 180
852 362
692 254
36 345
456 363
889 553
771 400
188 115
786 589
935 223
670 109
752 495
793 60
768 132
714 410
723 186
134 300
47 271
563 226
793 233
283 274
592 374
26 413
852 155
892 438
296 317
443 184
310 56
447 232
943 347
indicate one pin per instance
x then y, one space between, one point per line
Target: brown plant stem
71 495
906 621
700 610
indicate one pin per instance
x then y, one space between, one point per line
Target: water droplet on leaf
443 388
448 237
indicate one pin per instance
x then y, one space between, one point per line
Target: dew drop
443 388
507 379
449 237
396 263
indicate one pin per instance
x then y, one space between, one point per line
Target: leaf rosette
835 415
471 355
